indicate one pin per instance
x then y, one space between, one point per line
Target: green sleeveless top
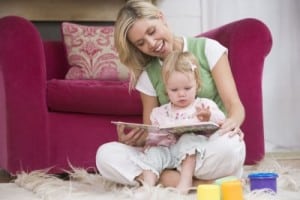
208 87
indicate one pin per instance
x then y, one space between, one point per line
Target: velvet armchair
39 129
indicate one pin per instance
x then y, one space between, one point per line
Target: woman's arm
148 102
228 92
136 136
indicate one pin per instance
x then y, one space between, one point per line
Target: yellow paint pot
232 190
208 192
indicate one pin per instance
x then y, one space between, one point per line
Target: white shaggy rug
87 186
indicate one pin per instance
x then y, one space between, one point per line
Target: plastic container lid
263 175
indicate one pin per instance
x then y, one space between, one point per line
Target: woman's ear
161 15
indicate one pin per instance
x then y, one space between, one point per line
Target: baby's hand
203 113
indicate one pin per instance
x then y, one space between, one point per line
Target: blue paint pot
263 180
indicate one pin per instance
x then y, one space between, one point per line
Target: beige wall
62 10
183 16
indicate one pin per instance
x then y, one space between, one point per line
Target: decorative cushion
95 97
91 53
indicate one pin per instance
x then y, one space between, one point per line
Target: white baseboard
286 155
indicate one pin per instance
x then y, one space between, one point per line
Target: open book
203 128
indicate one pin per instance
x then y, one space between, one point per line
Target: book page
137 125
203 128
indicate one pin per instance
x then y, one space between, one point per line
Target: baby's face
181 88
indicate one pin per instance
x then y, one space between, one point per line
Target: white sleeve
144 85
213 51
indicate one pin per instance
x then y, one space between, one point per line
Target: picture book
203 128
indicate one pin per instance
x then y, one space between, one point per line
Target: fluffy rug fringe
285 180
87 186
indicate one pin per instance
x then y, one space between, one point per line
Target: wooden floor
290 159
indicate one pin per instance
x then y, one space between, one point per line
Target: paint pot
232 190
263 180
208 192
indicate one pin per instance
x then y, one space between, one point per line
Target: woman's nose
151 42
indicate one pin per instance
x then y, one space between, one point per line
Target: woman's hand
231 127
132 137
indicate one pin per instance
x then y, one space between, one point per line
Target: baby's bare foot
184 188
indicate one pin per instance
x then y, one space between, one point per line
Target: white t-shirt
213 51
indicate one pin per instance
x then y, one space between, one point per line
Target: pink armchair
46 121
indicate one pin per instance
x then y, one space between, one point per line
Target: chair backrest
56 59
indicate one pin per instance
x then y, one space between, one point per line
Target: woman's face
152 37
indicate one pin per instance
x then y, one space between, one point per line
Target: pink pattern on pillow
91 53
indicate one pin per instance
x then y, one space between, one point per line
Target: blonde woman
143 40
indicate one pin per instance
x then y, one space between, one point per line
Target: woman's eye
151 31
140 43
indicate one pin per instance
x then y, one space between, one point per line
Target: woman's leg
114 163
224 156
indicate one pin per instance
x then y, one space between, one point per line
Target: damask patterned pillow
91 53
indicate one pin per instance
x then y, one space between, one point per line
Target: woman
143 40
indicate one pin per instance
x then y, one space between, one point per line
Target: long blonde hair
184 62
129 55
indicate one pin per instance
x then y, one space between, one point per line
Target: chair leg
5 176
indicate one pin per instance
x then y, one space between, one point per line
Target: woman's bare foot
171 178
197 182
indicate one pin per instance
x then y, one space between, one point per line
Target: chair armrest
22 94
248 41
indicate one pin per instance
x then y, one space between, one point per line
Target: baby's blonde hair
129 55
184 62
